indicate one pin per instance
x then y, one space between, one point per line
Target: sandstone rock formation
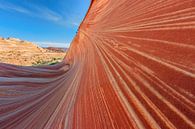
24 53
130 66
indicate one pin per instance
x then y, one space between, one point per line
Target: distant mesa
56 49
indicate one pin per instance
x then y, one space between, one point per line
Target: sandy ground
18 52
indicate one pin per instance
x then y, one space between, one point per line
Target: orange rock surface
130 66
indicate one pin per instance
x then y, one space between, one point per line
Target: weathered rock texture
131 66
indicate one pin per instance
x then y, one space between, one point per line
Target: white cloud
33 11
64 18
75 23
11 7
52 44
45 13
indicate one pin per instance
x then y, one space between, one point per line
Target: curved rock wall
130 66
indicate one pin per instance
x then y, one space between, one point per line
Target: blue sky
45 22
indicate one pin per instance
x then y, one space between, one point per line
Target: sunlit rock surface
24 53
131 66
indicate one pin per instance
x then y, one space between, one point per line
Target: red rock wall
131 65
